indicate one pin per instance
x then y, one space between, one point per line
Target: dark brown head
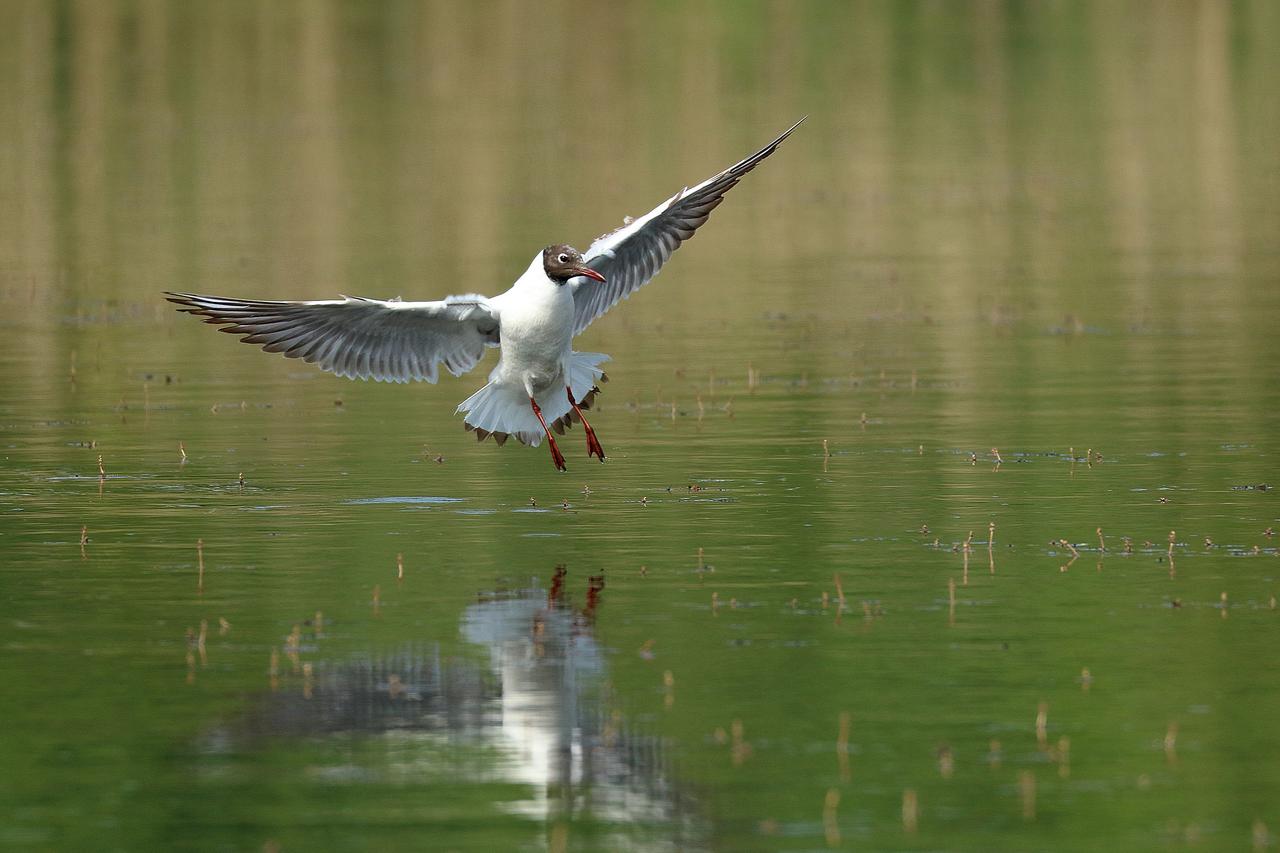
561 263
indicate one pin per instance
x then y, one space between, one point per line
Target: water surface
1018 271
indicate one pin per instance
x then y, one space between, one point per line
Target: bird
540 385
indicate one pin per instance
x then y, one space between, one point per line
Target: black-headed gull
539 384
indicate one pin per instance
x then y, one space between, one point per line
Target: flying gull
540 384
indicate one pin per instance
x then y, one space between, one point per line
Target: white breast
537 325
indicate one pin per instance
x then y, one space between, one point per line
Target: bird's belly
534 353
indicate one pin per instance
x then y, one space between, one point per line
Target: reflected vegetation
940 505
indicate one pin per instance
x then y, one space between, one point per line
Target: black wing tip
178 297
200 305
189 302
194 303
789 130
764 152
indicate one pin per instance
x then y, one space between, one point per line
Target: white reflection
536 715
558 738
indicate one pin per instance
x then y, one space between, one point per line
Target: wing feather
629 257
388 341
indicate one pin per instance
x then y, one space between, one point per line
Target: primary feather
631 256
388 341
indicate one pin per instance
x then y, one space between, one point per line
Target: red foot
557 458
556 595
593 443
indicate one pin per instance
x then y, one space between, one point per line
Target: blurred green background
1043 233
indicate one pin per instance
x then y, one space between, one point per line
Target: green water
1043 228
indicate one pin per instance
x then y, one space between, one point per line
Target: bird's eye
564 259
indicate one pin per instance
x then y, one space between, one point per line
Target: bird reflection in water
539 705
551 670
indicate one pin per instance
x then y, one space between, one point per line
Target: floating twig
741 750
830 824
991 541
946 762
1027 791
910 811
293 646
842 746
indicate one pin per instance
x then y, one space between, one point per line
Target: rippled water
1017 275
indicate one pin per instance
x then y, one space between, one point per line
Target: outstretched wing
632 255
359 338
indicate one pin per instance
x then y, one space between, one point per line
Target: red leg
556 456
593 443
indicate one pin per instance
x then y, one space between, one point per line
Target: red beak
589 273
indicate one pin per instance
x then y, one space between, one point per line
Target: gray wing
389 341
631 256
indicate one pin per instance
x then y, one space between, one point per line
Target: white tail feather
584 373
501 407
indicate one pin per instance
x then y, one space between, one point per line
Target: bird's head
561 263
